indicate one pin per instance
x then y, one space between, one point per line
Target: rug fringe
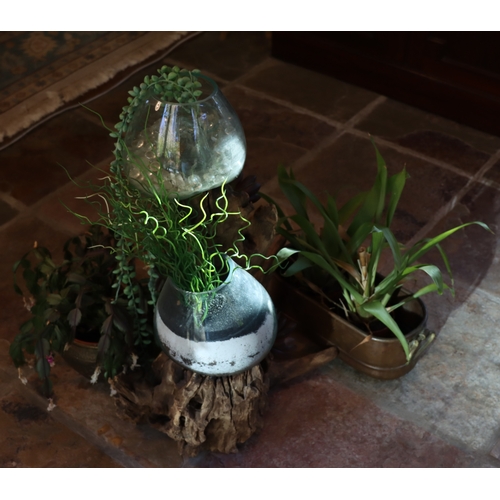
42 105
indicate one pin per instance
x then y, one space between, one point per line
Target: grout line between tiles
12 202
61 417
286 104
269 62
296 166
363 113
411 152
450 205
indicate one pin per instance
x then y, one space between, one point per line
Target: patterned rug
45 72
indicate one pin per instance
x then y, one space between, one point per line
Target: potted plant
166 200
362 312
197 246
76 311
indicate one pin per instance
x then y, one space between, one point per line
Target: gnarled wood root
199 412
215 413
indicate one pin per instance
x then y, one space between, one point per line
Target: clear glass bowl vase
187 148
221 332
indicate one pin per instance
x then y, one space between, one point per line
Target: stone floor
445 413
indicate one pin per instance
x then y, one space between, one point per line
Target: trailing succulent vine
174 238
172 84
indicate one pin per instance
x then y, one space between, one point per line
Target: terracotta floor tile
57 210
454 390
6 212
315 422
226 58
322 94
461 146
472 252
33 167
31 438
494 173
275 134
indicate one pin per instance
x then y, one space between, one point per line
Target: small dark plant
76 297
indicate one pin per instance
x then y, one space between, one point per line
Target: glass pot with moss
180 124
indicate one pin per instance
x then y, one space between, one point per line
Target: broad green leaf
446 262
18 263
359 237
393 244
310 232
432 287
295 196
27 327
373 206
52 314
285 253
103 346
377 245
332 241
395 186
335 273
46 268
379 311
349 268
299 265
331 210
431 270
76 278
16 353
346 211
30 278
389 284
432 242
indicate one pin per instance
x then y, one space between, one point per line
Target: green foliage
172 84
174 239
96 286
76 296
350 244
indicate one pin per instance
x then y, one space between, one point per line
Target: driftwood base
199 412
214 413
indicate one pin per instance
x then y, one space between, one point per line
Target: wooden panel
455 75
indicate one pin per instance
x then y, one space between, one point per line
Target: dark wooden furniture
454 74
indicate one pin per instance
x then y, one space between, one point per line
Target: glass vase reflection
187 148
